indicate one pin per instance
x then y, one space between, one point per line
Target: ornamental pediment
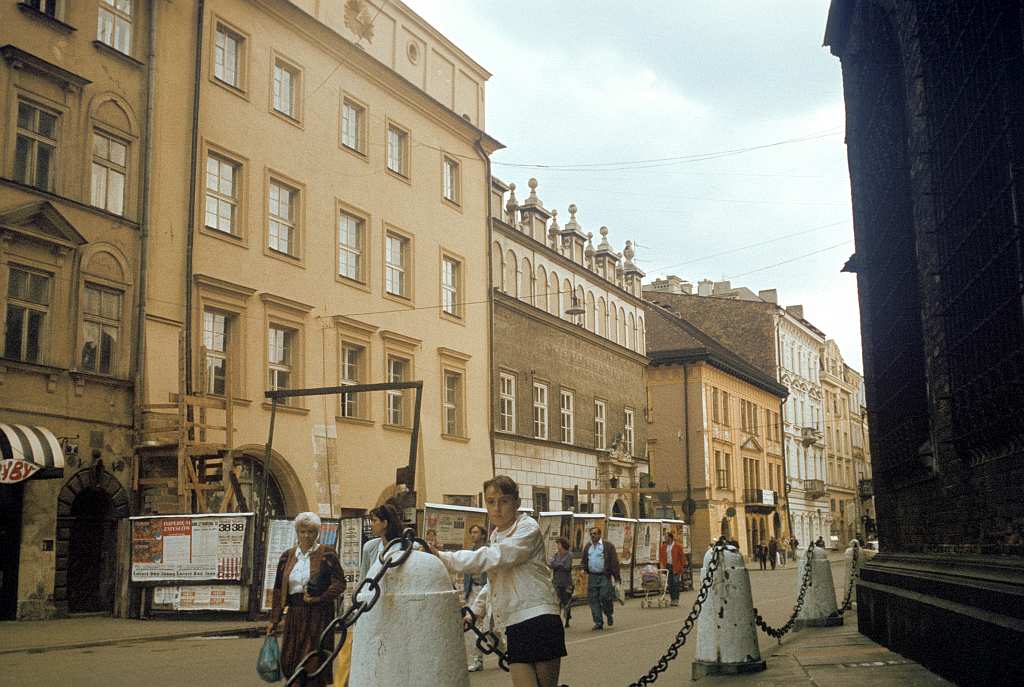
42 222
751 444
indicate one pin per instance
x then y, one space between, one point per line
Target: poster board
280 538
350 549
554 524
680 530
450 525
647 539
204 597
620 533
189 548
581 526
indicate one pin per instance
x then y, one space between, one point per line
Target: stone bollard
726 634
819 609
413 635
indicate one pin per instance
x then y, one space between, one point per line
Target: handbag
268 665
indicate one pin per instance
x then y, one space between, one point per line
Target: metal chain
779 633
324 652
673 650
486 641
854 573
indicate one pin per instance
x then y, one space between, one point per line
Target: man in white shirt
602 564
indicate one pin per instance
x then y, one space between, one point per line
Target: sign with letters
189 547
15 470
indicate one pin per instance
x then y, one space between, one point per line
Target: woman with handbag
308 581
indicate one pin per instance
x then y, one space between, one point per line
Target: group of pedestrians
772 553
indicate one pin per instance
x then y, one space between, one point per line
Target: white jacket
518 577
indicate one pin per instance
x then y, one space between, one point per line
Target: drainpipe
686 445
193 165
490 301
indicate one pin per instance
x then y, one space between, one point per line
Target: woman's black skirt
537 639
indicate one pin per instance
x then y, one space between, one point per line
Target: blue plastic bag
268 665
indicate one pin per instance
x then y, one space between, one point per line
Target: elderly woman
309 579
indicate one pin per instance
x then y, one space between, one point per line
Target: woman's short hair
563 542
307 518
477 527
389 514
503 484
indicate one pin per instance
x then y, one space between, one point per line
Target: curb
244 630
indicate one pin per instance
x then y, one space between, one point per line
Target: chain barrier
780 632
486 641
854 573
324 651
702 595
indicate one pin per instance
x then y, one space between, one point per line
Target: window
282 207
398 370
115 25
221 194
507 403
599 425
28 303
109 161
725 408
568 501
286 89
353 126
714 405
101 325
398 150
450 275
280 345
567 423
396 259
722 470
352 357
540 411
450 173
215 341
36 146
350 247
48 7
452 406
541 500
227 56
627 434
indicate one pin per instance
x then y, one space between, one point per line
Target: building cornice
686 356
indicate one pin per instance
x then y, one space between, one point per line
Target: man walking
773 551
602 565
670 556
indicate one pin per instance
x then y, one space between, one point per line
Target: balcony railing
814 488
865 489
809 436
760 498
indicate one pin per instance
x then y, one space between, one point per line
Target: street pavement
614 656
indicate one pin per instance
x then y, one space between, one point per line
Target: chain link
780 632
486 641
340 624
702 595
854 574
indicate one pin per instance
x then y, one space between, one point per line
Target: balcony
814 488
865 489
760 500
809 436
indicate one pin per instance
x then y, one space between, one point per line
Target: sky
709 133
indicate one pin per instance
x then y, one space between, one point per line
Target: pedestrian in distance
670 557
601 562
471 586
820 543
773 552
518 586
386 525
762 556
782 553
561 568
309 579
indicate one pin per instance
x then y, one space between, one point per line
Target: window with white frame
398 150
353 126
450 275
227 56
28 304
398 371
452 406
286 89
396 260
215 342
282 211
280 354
101 328
109 168
221 193
600 435
450 169
352 358
507 403
567 406
350 246
50 8
627 431
35 149
115 25
540 410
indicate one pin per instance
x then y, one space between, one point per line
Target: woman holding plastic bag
309 579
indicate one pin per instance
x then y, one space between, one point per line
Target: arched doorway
619 509
726 532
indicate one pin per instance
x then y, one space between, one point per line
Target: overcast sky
602 83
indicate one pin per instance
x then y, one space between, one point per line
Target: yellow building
714 435
71 214
321 202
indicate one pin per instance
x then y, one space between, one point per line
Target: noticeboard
185 548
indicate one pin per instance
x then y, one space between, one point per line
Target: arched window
622 327
511 278
105 308
642 343
553 293
602 317
526 285
631 333
566 298
613 323
497 273
113 155
541 294
591 312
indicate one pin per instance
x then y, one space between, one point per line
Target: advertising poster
450 524
581 525
555 524
620 534
680 530
350 548
199 598
280 538
189 547
647 540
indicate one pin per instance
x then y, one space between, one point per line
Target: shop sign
14 470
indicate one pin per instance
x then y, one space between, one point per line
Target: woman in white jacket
518 587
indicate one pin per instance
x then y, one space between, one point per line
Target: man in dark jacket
601 562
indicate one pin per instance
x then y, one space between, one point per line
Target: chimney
722 287
769 295
705 287
686 287
796 311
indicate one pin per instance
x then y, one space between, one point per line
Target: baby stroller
654 583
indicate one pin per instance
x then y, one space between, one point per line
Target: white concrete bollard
413 635
726 634
819 609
